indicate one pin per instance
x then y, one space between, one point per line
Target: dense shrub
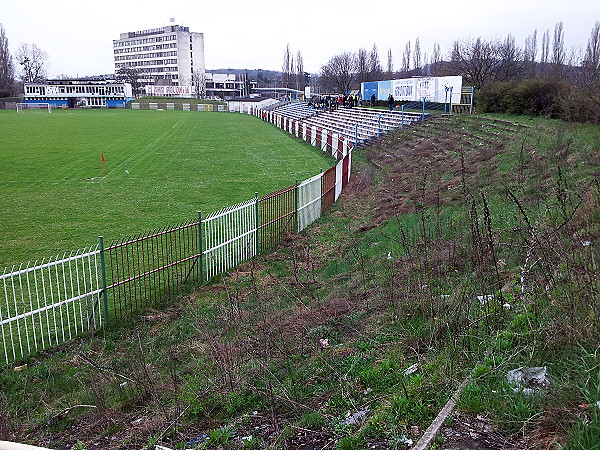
579 105
534 97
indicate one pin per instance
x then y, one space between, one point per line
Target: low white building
81 92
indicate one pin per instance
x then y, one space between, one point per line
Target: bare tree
592 51
545 58
363 69
33 61
390 65
591 61
199 83
478 61
511 60
406 59
558 50
375 64
338 73
436 58
417 63
300 81
7 72
286 67
530 53
133 76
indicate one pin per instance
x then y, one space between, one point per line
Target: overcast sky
78 35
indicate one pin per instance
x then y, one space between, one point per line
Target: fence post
446 99
472 99
200 249
379 125
297 192
257 222
103 271
356 139
423 111
402 124
450 110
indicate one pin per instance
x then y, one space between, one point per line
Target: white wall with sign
171 91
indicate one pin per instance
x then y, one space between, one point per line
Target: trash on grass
483 299
412 369
198 440
526 379
358 418
324 343
405 440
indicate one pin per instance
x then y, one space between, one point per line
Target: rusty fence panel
152 266
328 188
277 213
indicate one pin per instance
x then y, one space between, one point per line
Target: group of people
334 102
331 103
390 101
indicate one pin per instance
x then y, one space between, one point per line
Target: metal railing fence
46 303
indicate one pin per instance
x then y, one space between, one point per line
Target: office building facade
169 55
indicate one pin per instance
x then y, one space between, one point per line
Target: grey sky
241 34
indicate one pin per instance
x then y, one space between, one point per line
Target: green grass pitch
161 168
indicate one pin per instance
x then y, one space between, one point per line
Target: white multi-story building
171 53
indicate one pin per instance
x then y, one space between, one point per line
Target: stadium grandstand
409 101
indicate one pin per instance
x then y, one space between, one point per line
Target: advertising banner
433 89
170 91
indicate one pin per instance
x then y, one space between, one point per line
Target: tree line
540 77
32 62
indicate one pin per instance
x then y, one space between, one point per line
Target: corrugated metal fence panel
309 201
152 266
277 213
45 304
229 238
